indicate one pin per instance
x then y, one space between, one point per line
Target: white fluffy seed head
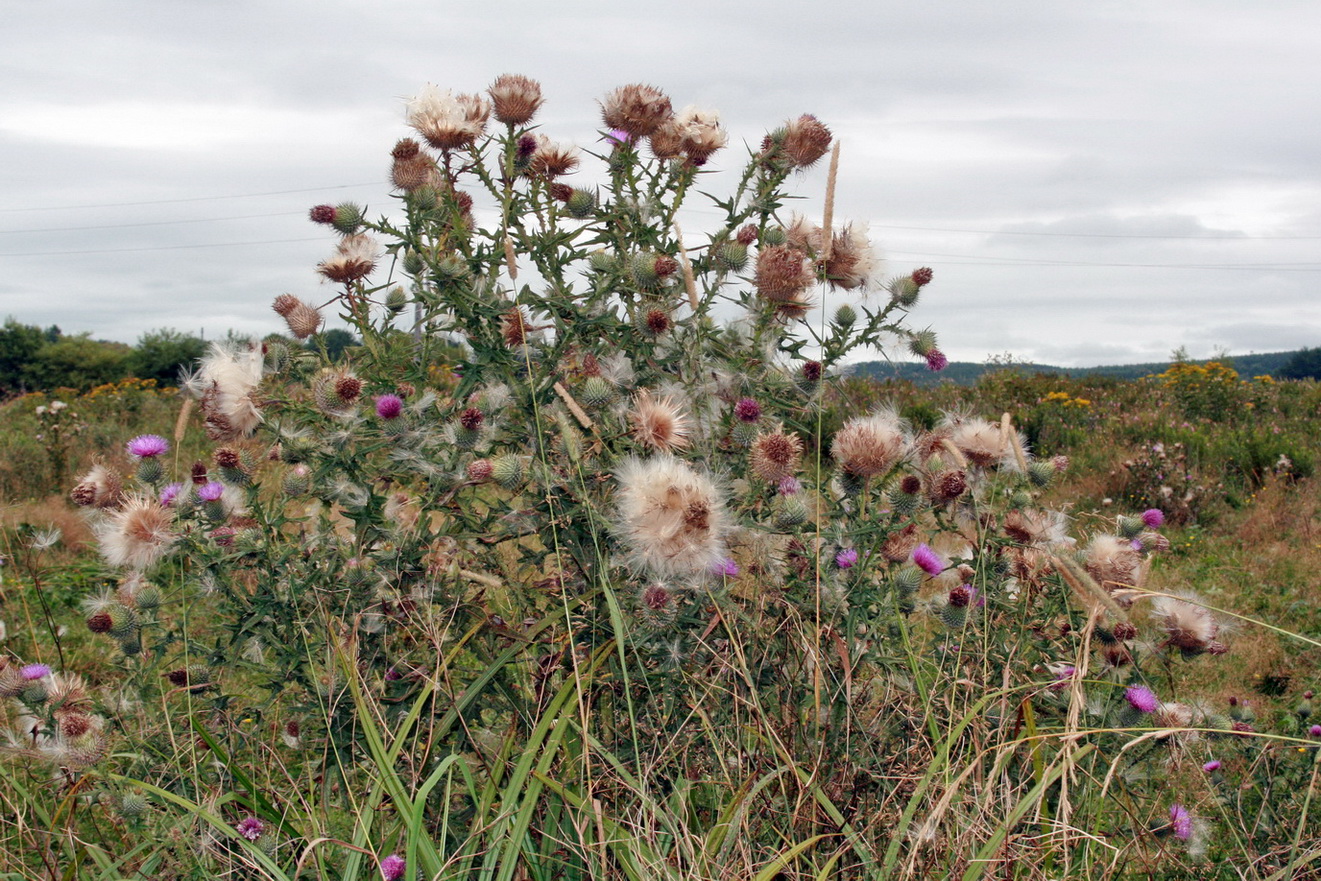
672 519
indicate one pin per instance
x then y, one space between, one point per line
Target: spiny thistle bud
150 470
744 434
132 805
479 470
469 432
123 621
789 511
602 261
302 318
396 300
922 342
657 321
296 482
596 392
1041 472
636 109
195 677
233 470
731 256
515 98
276 357
904 504
906 580
509 471
805 141
347 219
425 197
451 268
904 292
746 235
581 203
414 171
148 597
1129 527
34 693
413 262
642 267
845 316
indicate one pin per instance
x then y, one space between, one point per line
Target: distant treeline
1298 364
37 359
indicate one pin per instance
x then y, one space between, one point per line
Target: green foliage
19 344
1304 364
161 354
76 362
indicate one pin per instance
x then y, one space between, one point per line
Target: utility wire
163 248
151 223
193 198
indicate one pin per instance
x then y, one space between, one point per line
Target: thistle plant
561 560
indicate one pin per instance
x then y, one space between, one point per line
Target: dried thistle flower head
99 488
659 423
515 98
783 273
514 326
672 519
776 455
1113 562
981 442
666 142
852 262
138 534
700 133
552 160
446 120
806 140
636 109
354 258
412 169
303 318
225 382
870 445
1191 628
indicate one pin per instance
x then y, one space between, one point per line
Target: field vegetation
612 589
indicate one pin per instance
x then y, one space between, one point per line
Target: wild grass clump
568 571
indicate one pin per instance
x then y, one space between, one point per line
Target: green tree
160 354
78 362
19 344
337 340
1305 364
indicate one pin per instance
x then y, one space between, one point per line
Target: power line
193 198
151 223
984 260
163 248
1096 235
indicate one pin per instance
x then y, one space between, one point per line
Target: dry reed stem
828 212
511 260
689 281
181 424
578 413
948 446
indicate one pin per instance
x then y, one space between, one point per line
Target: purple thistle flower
393 675
847 558
35 671
169 493
148 446
1135 544
790 486
389 406
1213 765
250 828
1315 731
1181 822
936 361
619 137
1062 677
928 560
211 492
392 867
1142 699
726 567
1154 518
747 410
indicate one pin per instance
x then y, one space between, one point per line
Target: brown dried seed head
782 273
515 98
666 142
776 455
806 140
658 322
636 109
348 388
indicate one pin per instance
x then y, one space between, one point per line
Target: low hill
968 372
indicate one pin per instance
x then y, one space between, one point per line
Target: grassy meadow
1229 460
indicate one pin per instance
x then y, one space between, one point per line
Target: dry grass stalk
828 213
689 282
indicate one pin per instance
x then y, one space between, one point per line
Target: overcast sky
1092 183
